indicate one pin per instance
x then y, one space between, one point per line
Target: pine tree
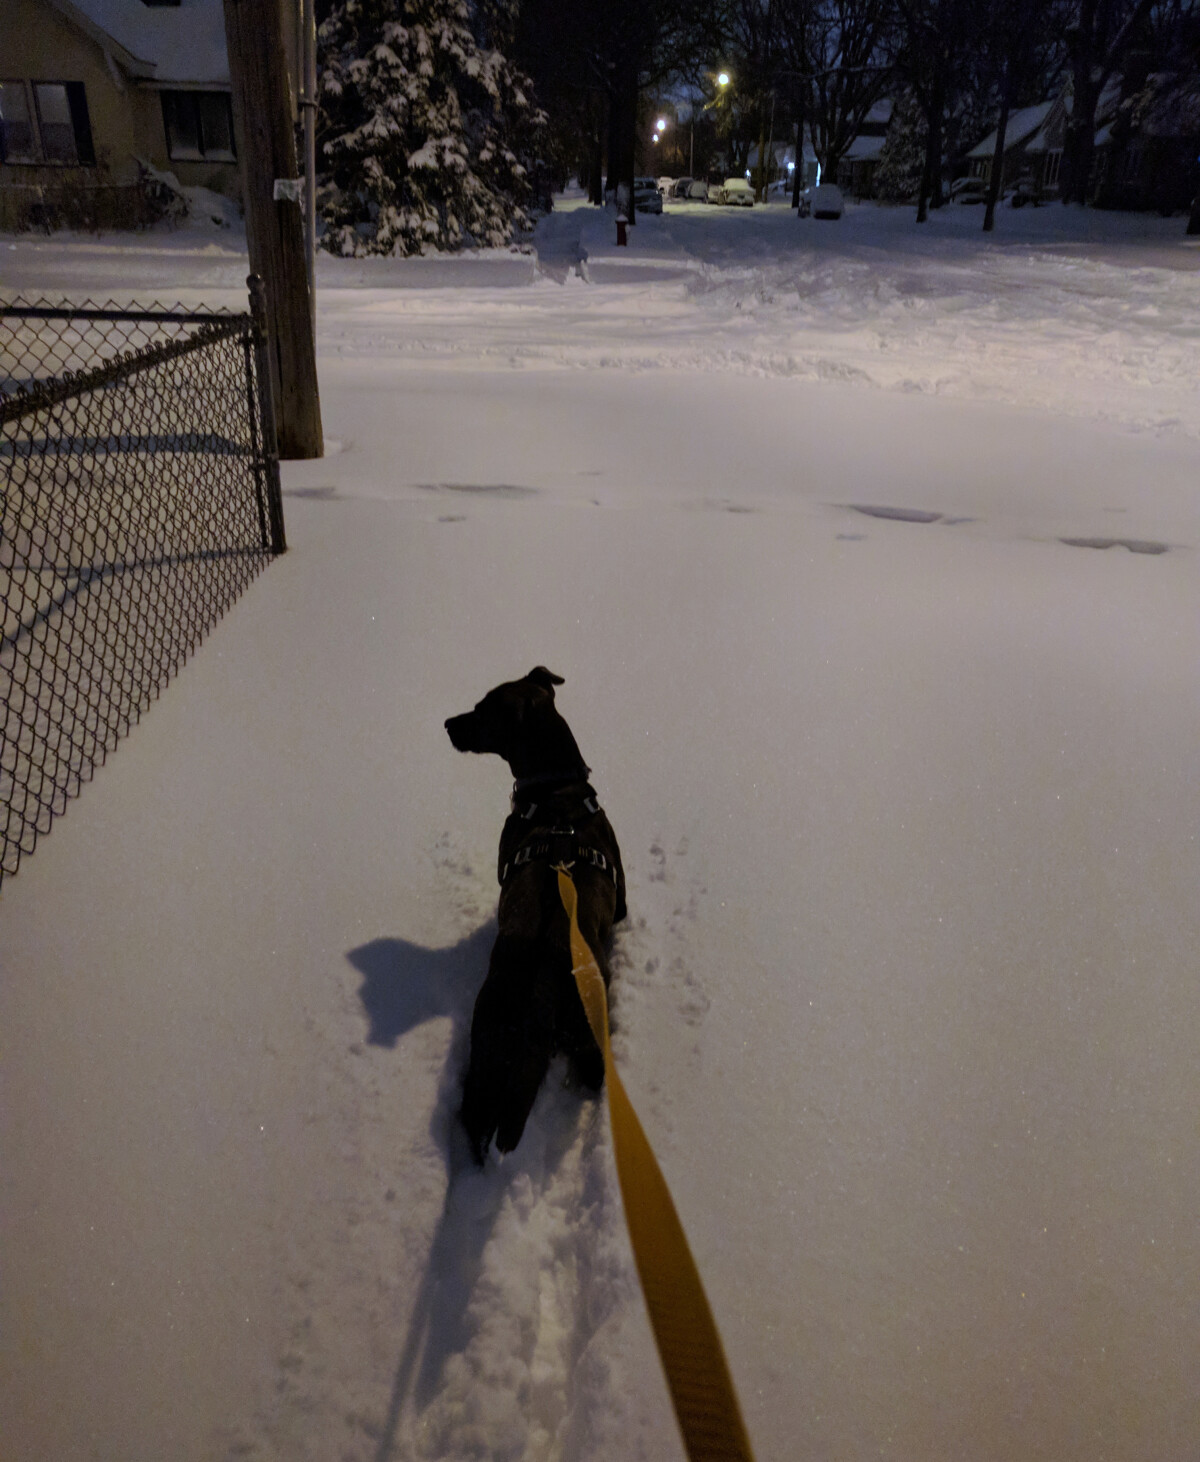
428 133
898 176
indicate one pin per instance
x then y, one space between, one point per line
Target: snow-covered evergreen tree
427 131
898 176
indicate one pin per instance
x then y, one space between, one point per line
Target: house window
17 142
1053 167
45 121
54 122
199 126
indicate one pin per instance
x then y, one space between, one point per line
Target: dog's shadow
403 986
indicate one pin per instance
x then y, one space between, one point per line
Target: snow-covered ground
812 518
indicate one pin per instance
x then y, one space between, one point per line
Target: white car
646 195
680 188
698 191
713 194
823 201
737 191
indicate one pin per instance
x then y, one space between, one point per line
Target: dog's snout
458 728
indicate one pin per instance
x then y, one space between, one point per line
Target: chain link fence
140 498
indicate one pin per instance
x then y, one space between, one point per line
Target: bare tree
845 41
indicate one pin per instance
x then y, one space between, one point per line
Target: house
1032 146
95 94
1148 154
856 171
1146 146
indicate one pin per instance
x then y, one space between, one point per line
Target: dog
529 1009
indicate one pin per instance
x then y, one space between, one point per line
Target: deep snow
907 997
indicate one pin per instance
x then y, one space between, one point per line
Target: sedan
737 191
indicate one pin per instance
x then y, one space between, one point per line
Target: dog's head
518 721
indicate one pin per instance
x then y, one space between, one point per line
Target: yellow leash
697 1372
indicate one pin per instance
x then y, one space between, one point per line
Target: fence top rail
27 400
153 313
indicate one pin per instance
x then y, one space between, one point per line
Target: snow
905 783
184 42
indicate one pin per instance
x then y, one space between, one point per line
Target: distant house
1148 154
93 91
1144 146
1032 146
856 171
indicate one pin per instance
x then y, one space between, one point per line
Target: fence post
266 400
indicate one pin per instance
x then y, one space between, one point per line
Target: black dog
529 1008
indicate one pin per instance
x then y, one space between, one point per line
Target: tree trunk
798 171
595 180
932 142
996 181
1194 220
624 132
1079 145
937 111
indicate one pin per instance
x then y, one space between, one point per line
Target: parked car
822 201
698 191
713 194
647 198
738 192
680 188
968 190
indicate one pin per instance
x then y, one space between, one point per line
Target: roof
864 149
166 45
1023 123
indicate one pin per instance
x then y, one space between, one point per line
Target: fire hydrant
622 225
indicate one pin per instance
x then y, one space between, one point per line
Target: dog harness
555 845
560 842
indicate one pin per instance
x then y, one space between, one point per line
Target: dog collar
545 779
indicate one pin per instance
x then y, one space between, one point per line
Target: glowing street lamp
723 78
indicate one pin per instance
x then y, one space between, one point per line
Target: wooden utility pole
272 197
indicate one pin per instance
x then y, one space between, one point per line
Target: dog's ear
545 678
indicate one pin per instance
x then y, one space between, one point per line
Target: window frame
172 100
79 121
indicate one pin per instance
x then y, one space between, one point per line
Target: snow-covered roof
1022 124
865 149
168 45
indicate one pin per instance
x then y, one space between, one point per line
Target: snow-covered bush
427 131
